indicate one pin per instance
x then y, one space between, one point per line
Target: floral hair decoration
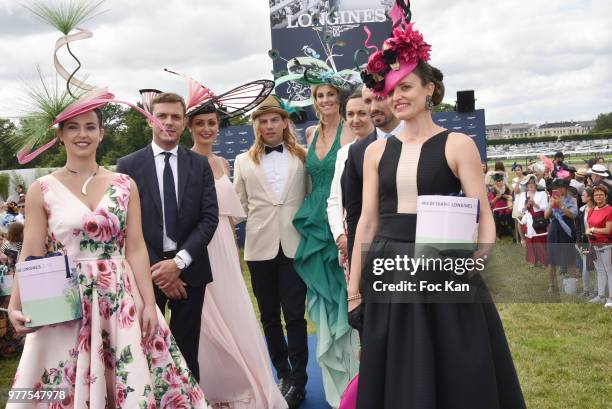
399 56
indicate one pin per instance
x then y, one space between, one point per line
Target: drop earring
429 105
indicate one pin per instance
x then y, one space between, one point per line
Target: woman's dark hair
209 109
590 193
428 73
499 166
497 177
15 232
355 95
98 113
12 208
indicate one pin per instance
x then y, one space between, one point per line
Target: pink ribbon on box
96 98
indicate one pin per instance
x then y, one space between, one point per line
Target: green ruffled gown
316 261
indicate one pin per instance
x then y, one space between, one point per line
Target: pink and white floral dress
101 360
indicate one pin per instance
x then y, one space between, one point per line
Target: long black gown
427 355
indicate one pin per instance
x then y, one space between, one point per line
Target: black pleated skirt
433 355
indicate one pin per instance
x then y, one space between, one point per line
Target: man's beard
380 119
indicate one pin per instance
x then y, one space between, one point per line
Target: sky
532 61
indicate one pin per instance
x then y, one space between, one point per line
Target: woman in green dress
316 259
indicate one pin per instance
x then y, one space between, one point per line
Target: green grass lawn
562 351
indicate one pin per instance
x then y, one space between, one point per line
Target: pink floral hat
399 56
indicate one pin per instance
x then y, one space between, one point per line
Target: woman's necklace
84 188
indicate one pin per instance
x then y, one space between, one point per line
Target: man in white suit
271 182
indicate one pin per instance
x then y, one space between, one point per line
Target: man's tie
170 205
277 148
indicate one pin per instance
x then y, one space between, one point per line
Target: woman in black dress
423 355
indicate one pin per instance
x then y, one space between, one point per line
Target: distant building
508 131
525 130
565 128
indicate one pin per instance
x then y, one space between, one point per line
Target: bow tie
277 148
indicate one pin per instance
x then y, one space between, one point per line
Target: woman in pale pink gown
235 370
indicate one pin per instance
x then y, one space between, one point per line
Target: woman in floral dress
121 354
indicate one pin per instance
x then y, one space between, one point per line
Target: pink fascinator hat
51 107
96 98
237 101
399 56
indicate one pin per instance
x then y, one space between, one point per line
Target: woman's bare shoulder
310 131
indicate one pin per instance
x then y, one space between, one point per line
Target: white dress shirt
541 199
160 164
380 134
335 207
276 165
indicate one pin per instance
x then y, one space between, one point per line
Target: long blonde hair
341 103
289 139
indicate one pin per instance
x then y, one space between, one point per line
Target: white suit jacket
269 217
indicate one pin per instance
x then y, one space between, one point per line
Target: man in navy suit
386 125
174 181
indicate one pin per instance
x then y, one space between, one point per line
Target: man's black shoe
283 386
295 397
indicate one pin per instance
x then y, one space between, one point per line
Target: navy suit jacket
353 186
197 208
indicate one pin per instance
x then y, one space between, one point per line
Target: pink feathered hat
96 98
399 56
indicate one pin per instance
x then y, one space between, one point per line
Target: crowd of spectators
563 218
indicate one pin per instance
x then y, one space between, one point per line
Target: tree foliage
603 122
444 107
7 156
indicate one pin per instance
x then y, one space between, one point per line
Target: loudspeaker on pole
465 101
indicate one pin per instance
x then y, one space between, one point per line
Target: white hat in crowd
599 169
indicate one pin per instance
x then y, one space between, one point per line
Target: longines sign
340 18
324 28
